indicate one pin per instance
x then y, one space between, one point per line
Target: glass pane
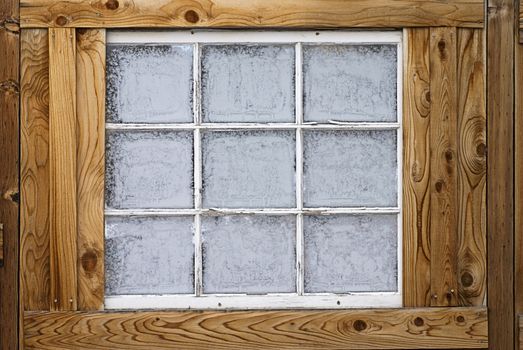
149 255
248 169
350 83
149 169
249 254
350 168
346 253
149 83
248 83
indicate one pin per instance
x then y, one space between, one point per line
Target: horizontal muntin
251 211
254 126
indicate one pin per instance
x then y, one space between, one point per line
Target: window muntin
282 193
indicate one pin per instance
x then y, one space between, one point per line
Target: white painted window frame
299 300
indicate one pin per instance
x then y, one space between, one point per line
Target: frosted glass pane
350 253
248 83
249 254
350 82
149 169
149 255
249 169
149 83
350 168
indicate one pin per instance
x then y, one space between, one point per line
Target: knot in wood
61 20
439 186
10 24
10 87
427 96
112 4
418 321
192 16
449 155
89 260
12 195
481 149
359 325
442 49
467 279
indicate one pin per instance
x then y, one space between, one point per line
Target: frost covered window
253 169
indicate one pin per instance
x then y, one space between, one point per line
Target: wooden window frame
300 299
65 238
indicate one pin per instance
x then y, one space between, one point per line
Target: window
253 169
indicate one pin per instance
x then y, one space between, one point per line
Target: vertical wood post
90 74
501 28
9 184
62 161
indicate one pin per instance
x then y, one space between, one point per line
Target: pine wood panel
62 162
429 328
416 165
9 171
443 183
472 168
237 13
90 109
518 191
501 32
34 173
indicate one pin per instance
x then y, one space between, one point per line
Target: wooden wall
445 189
444 167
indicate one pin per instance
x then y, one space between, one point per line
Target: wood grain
416 162
34 172
518 191
443 162
501 32
237 13
1 244
62 162
472 257
520 330
9 170
429 328
90 74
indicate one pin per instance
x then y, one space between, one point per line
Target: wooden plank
472 162
34 172
518 190
237 13
443 162
501 30
62 161
9 171
520 330
90 96
416 159
1 244
429 328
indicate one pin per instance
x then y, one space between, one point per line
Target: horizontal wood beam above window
235 13
428 328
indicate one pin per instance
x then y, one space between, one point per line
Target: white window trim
299 300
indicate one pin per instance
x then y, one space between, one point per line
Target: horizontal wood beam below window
428 328
235 13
